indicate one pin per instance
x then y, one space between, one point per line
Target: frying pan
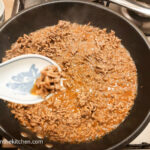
82 12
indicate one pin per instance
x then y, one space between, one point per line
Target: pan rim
146 119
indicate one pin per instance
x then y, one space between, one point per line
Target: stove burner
143 22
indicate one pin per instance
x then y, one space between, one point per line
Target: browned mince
48 82
100 83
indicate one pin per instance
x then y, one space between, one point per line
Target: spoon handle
17 77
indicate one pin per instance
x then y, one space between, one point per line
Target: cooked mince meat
100 83
48 82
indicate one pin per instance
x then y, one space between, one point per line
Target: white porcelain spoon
17 77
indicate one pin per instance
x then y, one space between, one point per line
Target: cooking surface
8 8
144 137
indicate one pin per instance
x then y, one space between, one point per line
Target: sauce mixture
101 82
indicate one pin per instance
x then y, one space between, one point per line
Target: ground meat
100 85
48 82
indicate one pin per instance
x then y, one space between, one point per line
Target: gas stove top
143 140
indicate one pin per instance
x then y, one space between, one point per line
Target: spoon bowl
17 77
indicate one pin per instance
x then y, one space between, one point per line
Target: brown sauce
34 90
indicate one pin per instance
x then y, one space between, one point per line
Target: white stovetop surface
143 137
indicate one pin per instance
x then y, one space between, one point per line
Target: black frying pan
83 12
